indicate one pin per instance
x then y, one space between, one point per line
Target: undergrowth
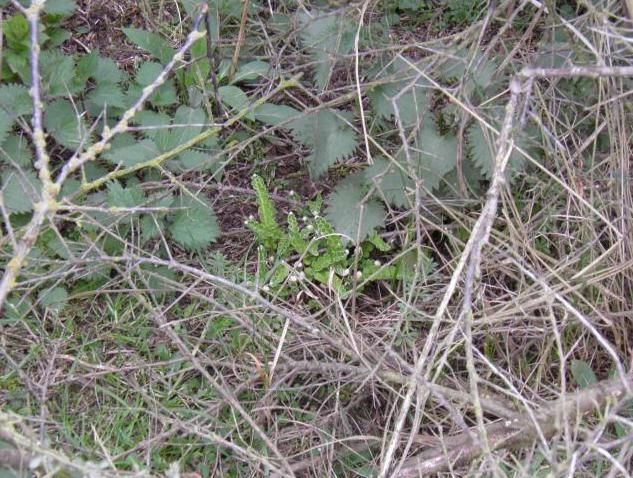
316 239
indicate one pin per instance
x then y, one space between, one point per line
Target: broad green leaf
129 153
235 98
151 42
272 114
583 375
153 121
15 100
21 189
391 182
105 96
197 161
411 105
187 125
130 197
433 155
147 73
58 73
251 71
16 150
325 37
60 7
195 226
6 123
352 217
481 144
16 31
54 299
64 124
329 136
107 71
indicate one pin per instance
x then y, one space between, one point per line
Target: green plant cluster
309 250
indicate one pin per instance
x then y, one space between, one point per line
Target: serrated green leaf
21 189
583 375
16 31
411 105
433 155
151 42
391 182
481 146
329 136
147 73
251 71
118 196
350 216
105 96
188 123
107 71
272 114
153 121
15 150
129 153
6 124
58 73
235 98
195 226
197 161
54 299
60 7
64 124
15 100
325 37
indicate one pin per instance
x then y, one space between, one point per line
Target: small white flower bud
271 259
266 288
359 274
251 217
298 264
304 218
310 227
377 263
345 273
293 278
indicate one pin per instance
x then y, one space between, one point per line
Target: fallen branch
519 431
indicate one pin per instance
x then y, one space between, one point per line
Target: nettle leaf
107 71
329 137
325 38
481 144
106 95
6 124
127 151
58 74
251 71
189 123
21 189
412 102
153 121
151 42
433 155
391 182
130 197
272 114
60 7
15 100
235 98
352 217
165 95
54 299
583 375
195 226
64 124
16 150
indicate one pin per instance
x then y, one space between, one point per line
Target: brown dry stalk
519 431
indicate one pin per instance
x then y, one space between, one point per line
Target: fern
267 229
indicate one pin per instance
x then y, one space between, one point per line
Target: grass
525 367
